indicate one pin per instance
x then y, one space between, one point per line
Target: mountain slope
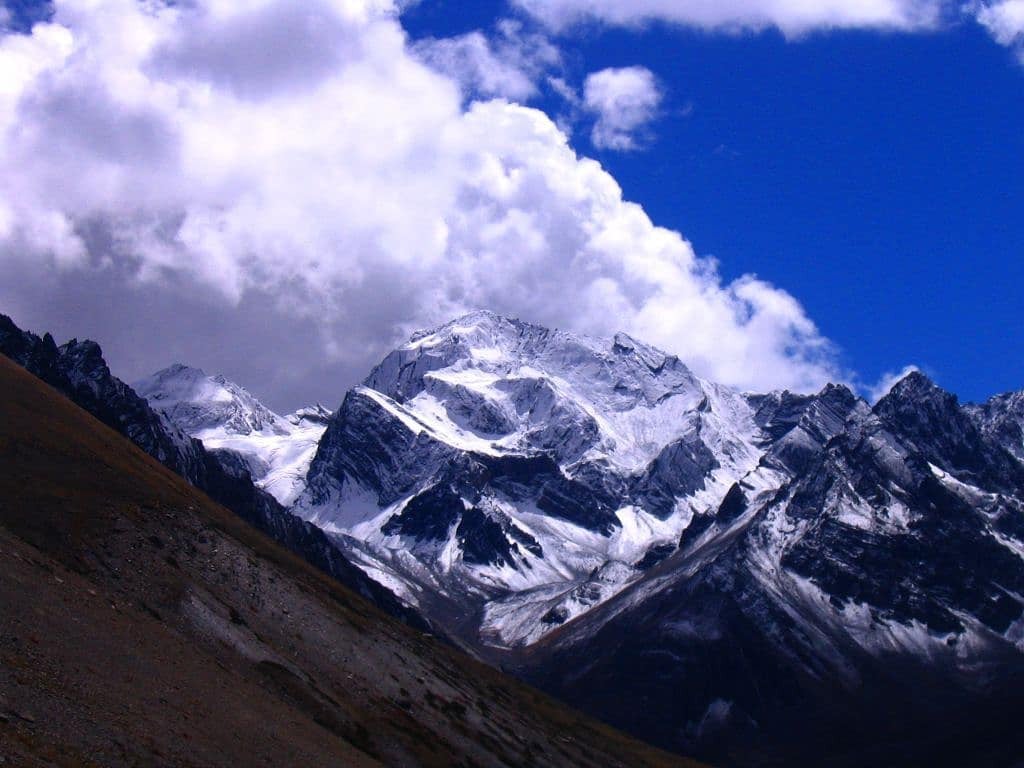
78 370
144 624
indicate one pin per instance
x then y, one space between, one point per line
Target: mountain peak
915 381
483 327
477 321
179 372
479 335
201 404
837 393
180 369
619 371
275 450
915 390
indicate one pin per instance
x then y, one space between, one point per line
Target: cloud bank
792 17
298 166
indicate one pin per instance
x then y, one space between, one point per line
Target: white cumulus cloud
271 165
506 64
1004 20
792 17
624 101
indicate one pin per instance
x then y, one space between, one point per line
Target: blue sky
281 192
877 176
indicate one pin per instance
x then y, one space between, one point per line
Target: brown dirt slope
141 624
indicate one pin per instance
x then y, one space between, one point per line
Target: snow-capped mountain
787 560
204 404
276 450
522 476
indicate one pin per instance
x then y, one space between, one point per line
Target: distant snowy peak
275 450
204 405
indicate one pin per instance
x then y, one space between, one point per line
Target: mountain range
143 624
753 578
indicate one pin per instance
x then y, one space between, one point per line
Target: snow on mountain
522 473
524 479
276 450
200 404
499 385
872 554
1002 419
